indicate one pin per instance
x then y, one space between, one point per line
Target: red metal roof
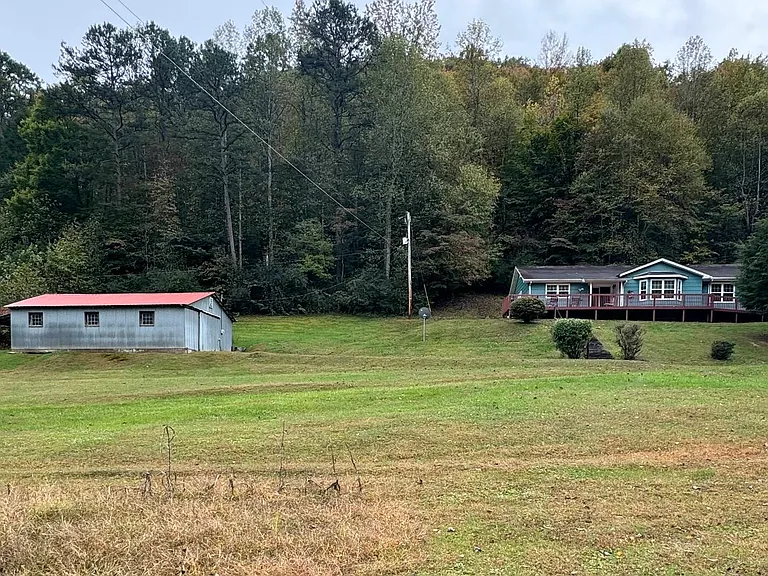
96 300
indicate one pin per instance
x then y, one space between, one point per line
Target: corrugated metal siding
210 333
215 326
64 329
191 329
226 339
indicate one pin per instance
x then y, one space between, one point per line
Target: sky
599 25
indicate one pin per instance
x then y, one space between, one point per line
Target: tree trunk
118 169
240 220
227 202
759 179
270 211
336 144
388 232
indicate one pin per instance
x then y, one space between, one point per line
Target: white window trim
722 293
557 293
667 262
660 277
649 295
154 317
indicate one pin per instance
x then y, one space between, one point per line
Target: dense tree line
126 174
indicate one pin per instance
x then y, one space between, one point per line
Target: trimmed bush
629 337
722 350
572 336
527 309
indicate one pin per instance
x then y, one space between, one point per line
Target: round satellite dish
425 314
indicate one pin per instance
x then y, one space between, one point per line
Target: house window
723 292
146 318
91 319
662 289
558 289
35 319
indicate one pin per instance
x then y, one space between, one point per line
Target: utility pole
407 241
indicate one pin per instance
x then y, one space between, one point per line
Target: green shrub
722 350
527 309
629 337
571 336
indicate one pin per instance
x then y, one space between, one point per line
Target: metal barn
188 321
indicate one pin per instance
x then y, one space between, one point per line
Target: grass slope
480 452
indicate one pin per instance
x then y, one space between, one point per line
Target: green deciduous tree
640 190
753 279
17 86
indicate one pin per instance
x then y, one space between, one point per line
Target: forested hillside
125 175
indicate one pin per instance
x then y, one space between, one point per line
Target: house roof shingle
572 272
719 270
592 273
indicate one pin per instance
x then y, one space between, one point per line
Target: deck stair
596 351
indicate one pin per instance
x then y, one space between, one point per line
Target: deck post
654 312
595 314
567 312
626 315
736 318
711 316
683 315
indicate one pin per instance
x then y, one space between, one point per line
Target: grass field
479 452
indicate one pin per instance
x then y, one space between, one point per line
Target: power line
237 118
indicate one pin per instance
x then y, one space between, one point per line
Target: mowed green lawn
509 459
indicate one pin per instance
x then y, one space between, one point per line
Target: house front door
603 296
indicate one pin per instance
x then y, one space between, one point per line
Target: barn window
35 319
147 318
92 319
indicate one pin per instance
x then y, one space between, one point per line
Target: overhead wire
238 119
265 143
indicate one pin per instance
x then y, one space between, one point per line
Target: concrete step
596 351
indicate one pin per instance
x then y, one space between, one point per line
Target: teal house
661 289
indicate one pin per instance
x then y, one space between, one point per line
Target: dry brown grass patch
85 527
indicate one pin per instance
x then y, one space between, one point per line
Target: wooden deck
650 303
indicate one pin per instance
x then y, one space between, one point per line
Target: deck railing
625 301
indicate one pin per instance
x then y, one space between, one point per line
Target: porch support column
654 312
595 314
683 315
626 315
567 312
711 316
736 318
